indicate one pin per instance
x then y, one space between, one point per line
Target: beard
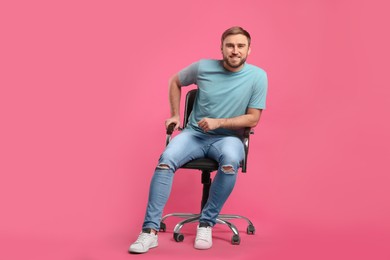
227 61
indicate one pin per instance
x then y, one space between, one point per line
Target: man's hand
209 124
175 120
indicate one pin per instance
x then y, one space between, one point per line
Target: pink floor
265 244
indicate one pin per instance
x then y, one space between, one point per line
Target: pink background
83 101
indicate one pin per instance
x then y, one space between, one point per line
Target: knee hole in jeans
163 166
228 169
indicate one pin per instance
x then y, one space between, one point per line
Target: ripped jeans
190 144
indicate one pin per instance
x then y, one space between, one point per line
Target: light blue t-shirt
222 93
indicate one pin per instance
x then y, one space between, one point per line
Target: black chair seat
202 164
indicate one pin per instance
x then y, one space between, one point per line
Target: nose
235 49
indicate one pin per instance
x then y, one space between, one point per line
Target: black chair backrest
190 98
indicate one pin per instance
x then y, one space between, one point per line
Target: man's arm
250 119
174 101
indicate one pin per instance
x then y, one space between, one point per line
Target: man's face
235 50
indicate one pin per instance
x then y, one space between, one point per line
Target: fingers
208 124
174 123
204 125
171 124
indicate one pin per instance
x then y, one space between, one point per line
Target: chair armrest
247 132
170 130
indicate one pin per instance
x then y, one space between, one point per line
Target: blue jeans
190 144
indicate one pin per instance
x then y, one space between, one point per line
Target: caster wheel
163 227
236 240
250 230
178 237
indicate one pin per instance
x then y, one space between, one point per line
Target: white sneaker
203 238
144 242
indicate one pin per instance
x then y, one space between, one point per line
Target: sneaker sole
141 251
202 248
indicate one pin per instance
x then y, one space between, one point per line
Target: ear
249 50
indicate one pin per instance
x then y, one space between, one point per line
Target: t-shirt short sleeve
259 93
188 75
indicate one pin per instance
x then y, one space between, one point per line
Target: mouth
234 59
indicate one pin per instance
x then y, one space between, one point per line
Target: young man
231 96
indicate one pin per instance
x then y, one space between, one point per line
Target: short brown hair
233 31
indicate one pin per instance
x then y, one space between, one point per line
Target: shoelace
204 234
142 237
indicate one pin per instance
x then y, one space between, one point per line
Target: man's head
235 47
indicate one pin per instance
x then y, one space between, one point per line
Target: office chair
206 165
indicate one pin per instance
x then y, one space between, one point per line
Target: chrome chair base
222 219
